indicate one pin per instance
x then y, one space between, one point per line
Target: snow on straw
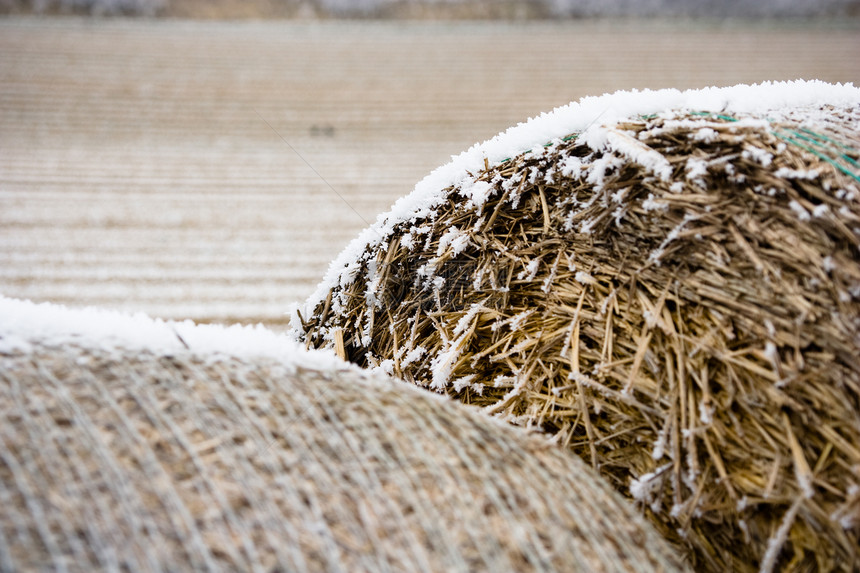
576 117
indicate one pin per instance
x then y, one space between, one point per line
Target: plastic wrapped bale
132 444
666 283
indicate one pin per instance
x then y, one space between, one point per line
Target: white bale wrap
133 444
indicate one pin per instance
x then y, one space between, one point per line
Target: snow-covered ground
133 178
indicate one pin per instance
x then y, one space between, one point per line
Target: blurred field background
206 160
441 9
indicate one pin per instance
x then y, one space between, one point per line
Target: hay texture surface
130 444
673 294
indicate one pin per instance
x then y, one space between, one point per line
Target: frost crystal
696 168
659 448
457 239
515 322
587 226
601 168
820 210
413 355
757 154
461 383
787 173
571 167
584 278
706 413
650 204
618 196
530 271
705 134
477 192
645 488
640 153
802 214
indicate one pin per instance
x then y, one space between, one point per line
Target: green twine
822 147
716 115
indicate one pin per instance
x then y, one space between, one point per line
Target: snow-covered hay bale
666 283
131 444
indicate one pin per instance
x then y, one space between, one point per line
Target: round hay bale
130 444
668 285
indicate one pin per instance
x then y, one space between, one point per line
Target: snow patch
696 167
788 173
530 271
25 325
651 204
798 209
413 356
705 135
477 192
455 238
820 210
571 167
645 488
757 154
640 153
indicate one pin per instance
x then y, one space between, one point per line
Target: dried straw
131 461
675 299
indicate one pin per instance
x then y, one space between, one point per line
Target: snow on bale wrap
667 283
139 445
